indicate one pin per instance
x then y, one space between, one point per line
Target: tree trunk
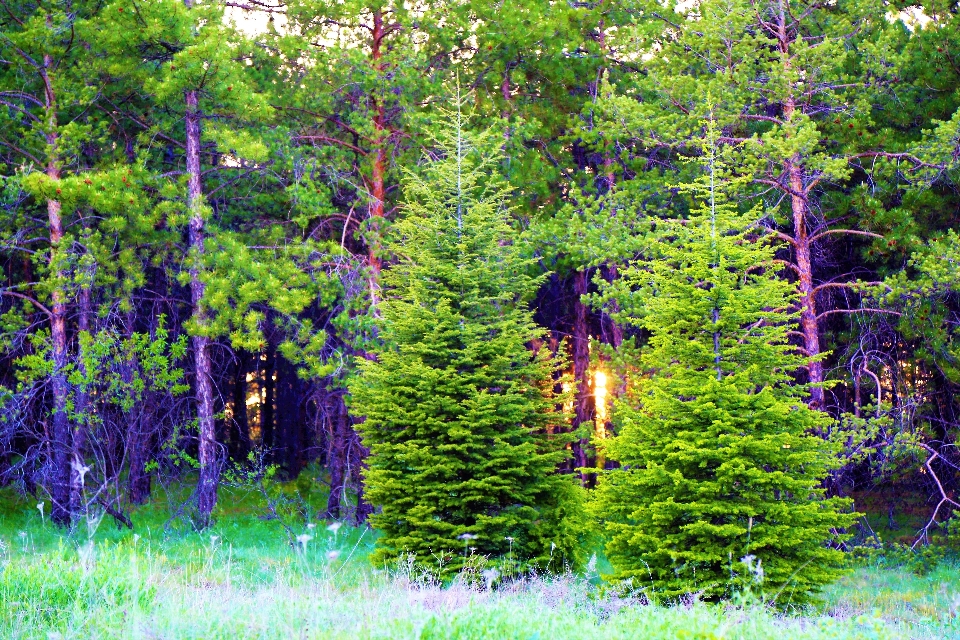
60 434
203 371
809 326
376 182
793 169
288 416
583 406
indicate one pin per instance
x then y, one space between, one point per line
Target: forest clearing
459 318
242 579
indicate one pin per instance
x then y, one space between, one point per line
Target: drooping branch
36 303
856 232
861 310
924 534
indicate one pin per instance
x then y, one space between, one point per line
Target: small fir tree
459 411
719 489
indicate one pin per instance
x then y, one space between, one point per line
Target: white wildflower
333 555
333 527
303 539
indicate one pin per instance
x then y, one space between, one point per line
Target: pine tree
459 412
805 92
720 483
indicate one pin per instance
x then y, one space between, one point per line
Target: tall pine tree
720 483
459 412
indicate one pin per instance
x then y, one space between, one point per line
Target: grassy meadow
244 579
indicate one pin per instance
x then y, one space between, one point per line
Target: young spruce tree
719 489
459 411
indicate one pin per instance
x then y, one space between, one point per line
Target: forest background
200 201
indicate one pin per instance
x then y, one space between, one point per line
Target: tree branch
855 232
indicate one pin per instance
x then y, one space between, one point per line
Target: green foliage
112 369
459 414
242 580
720 485
941 548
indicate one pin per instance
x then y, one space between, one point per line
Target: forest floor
244 579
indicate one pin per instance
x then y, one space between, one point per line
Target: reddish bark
376 180
60 434
799 205
808 304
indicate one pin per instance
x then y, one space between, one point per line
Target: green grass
242 579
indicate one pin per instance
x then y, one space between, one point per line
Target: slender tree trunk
288 416
809 326
376 182
60 435
584 405
793 169
203 370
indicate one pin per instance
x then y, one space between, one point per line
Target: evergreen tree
720 483
459 412
802 89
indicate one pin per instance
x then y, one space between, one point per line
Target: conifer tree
183 66
805 93
720 484
459 412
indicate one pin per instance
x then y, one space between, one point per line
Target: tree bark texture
376 180
60 434
799 207
207 449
